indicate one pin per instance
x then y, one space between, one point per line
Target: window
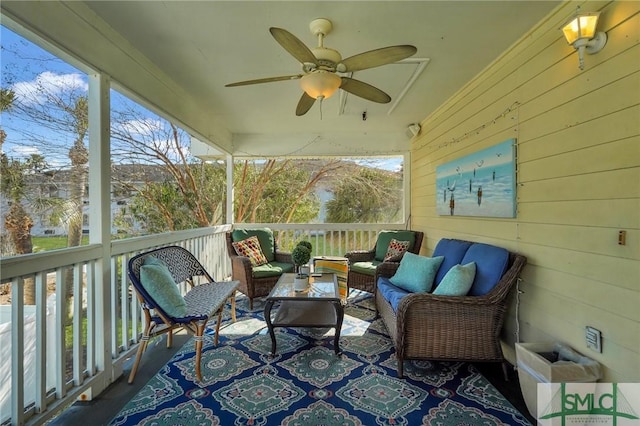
144 148
327 190
48 98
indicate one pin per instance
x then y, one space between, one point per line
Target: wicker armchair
365 278
202 302
453 328
256 282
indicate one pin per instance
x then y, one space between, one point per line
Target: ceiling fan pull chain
321 99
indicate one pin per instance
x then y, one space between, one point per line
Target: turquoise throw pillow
152 260
458 281
416 273
158 282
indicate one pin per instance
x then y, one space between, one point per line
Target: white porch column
230 193
100 224
406 179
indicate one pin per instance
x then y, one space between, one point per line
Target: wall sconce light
580 32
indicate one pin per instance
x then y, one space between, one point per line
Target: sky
27 67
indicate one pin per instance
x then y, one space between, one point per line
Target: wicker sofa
257 281
455 328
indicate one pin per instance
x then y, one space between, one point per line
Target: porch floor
103 408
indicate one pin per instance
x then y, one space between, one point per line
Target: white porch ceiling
203 45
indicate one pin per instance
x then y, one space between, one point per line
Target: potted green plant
301 254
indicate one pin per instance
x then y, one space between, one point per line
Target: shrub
301 253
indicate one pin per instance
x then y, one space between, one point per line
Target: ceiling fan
320 65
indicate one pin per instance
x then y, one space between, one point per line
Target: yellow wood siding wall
578 176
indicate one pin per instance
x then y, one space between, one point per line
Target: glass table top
324 287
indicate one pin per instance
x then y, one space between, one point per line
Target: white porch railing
326 239
68 348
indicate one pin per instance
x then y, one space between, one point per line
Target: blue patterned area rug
307 384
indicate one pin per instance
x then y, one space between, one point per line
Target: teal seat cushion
158 282
272 269
265 236
391 293
458 281
416 273
385 237
367 268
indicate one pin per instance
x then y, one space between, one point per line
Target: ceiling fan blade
377 57
364 90
265 80
293 45
304 104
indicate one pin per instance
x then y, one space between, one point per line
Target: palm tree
79 157
12 185
17 221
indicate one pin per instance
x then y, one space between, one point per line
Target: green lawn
332 248
52 243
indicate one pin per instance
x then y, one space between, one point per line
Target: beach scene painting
479 184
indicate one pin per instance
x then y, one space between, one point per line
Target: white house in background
56 184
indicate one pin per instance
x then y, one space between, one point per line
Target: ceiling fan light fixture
320 84
320 64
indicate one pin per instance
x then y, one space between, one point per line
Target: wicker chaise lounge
453 328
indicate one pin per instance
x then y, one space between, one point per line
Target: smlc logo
588 404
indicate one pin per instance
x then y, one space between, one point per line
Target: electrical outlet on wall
594 339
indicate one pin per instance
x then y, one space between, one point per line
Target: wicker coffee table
318 306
